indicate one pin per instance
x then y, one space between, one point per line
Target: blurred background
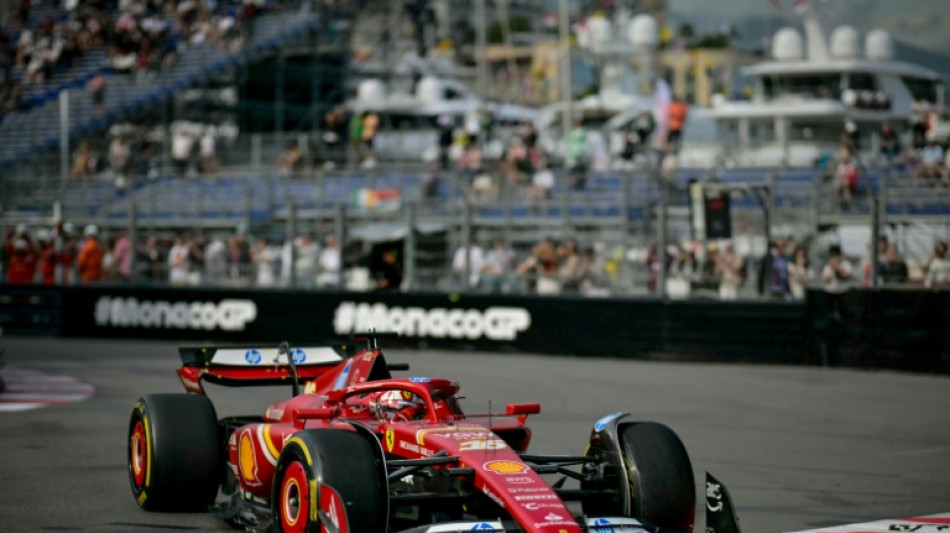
746 149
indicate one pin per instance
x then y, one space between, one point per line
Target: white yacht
408 129
812 87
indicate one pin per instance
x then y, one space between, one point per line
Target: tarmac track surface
799 448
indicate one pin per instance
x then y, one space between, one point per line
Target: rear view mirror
523 408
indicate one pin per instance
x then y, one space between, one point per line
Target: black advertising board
567 325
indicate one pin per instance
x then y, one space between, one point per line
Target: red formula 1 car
359 451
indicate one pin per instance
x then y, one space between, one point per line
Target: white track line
32 389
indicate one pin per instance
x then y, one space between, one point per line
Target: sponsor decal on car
602 525
505 467
253 357
419 380
535 497
524 490
494 323
489 444
299 356
227 315
483 526
390 440
247 460
535 506
455 432
415 448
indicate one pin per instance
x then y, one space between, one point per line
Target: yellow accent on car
303 448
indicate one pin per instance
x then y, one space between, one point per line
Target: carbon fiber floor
799 448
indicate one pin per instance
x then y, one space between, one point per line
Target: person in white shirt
837 274
178 262
329 263
937 268
476 260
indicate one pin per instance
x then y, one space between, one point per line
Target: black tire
661 476
173 452
339 459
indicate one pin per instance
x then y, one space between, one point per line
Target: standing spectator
47 256
356 133
676 121
919 115
70 250
890 144
122 255
542 268
120 153
799 273
370 126
266 258
150 261
182 144
569 267
216 261
334 135
239 256
773 272
837 274
893 268
445 140
496 271
305 261
290 160
937 268
729 270
84 167
206 149
91 256
178 262
577 157
643 127
850 137
387 272
97 88
21 256
475 258
329 263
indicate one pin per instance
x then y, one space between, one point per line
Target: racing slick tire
651 460
333 473
174 453
661 475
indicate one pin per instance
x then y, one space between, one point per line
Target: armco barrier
709 330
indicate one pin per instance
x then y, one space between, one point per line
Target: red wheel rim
294 499
138 458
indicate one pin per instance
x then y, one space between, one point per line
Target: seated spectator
931 162
542 183
837 273
937 268
890 144
893 269
846 176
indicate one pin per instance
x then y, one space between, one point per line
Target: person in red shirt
90 256
21 256
48 257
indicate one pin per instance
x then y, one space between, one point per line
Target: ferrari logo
406 395
390 440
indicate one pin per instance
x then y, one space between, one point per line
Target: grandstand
618 210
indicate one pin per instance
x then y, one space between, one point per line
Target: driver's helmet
394 404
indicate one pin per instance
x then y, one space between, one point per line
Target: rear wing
242 366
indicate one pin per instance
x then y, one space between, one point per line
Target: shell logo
248 459
505 467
